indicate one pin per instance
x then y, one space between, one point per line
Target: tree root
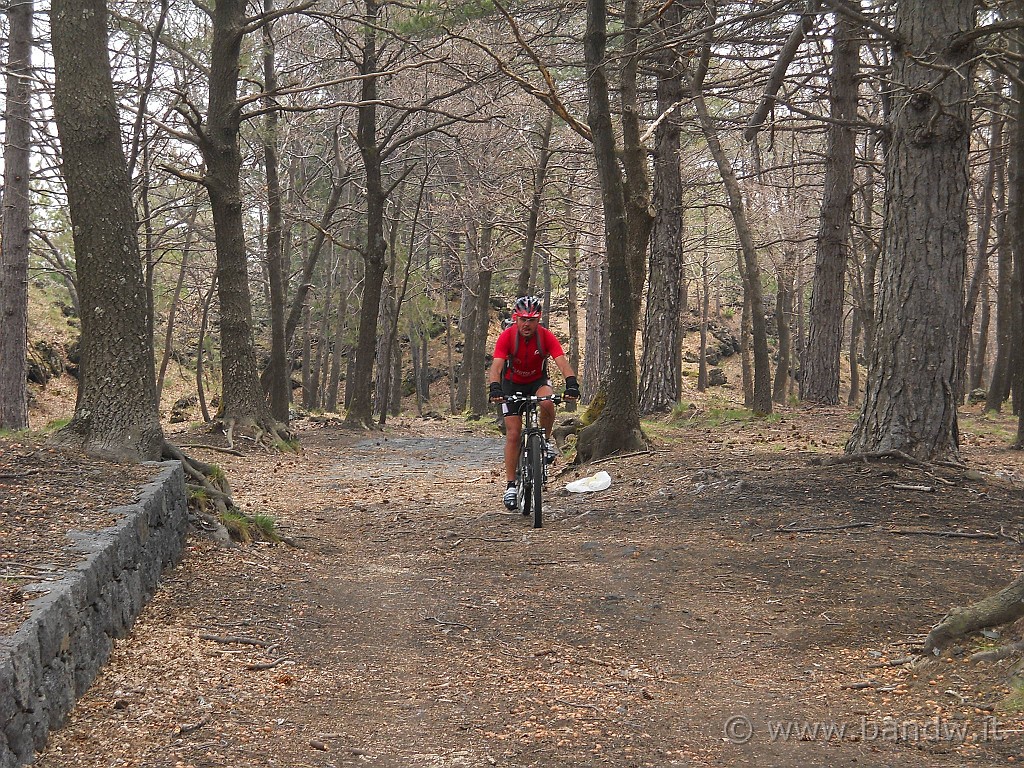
1001 608
874 456
882 455
267 433
205 479
997 654
209 492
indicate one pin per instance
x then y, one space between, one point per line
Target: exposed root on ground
210 500
1001 608
267 433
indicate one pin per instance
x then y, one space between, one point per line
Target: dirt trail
421 625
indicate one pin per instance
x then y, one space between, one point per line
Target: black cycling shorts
513 388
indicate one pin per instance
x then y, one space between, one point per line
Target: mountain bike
532 471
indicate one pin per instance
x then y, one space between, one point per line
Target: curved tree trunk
116 414
761 401
910 402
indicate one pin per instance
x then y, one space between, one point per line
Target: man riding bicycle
520 367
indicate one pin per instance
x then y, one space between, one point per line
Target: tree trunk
761 400
980 271
172 312
478 401
980 347
746 347
340 327
533 220
16 210
625 199
1001 608
705 308
320 368
999 385
242 400
201 348
116 414
278 385
467 318
387 320
910 402
595 358
360 412
661 362
855 330
783 318
819 380
573 309
1016 223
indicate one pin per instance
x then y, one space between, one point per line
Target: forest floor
673 619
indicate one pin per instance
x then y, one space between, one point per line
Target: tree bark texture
819 380
761 395
910 402
242 400
625 199
340 327
475 349
1016 223
16 209
172 312
536 202
661 363
360 412
980 271
595 357
1001 608
278 386
116 414
785 280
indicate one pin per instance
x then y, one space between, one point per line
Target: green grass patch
996 426
247 529
1013 702
267 527
55 426
662 432
239 526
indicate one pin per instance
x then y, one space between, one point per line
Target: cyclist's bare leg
513 430
547 411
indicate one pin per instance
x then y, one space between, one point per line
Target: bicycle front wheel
524 494
535 452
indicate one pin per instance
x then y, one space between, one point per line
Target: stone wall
55 655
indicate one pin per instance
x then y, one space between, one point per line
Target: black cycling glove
496 391
572 388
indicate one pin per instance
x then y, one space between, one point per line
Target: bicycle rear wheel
535 452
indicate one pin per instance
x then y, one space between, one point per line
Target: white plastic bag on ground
598 482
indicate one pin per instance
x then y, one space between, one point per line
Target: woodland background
256 193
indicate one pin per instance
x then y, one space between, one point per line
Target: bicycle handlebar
513 399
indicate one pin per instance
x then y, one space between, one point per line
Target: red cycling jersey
527 362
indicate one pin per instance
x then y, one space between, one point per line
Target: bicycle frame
532 468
